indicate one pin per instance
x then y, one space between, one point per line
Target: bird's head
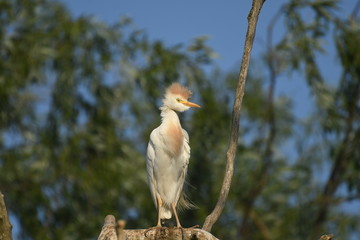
176 98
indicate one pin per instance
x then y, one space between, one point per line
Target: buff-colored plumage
176 88
168 154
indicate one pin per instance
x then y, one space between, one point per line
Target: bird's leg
158 226
173 206
159 204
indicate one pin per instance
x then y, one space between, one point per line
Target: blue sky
180 21
224 22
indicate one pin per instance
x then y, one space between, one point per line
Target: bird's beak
190 104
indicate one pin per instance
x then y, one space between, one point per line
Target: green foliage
78 99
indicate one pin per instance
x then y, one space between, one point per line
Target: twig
120 229
5 225
250 35
341 200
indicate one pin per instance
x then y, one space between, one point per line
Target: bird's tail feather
185 203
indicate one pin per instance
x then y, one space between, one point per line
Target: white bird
168 154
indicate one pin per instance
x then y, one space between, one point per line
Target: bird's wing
150 158
186 148
183 201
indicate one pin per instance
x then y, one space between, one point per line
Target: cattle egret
168 154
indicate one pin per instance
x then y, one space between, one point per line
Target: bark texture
115 231
5 225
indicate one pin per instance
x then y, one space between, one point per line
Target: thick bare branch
113 231
326 237
108 231
250 35
5 225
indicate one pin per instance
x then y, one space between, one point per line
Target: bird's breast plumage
174 138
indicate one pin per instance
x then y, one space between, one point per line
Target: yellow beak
190 104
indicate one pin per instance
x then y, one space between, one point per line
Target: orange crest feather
176 88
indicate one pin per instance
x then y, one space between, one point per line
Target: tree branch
113 231
5 225
264 230
342 161
250 35
326 237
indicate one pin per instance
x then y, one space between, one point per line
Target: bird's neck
169 116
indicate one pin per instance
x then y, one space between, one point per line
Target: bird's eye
178 100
